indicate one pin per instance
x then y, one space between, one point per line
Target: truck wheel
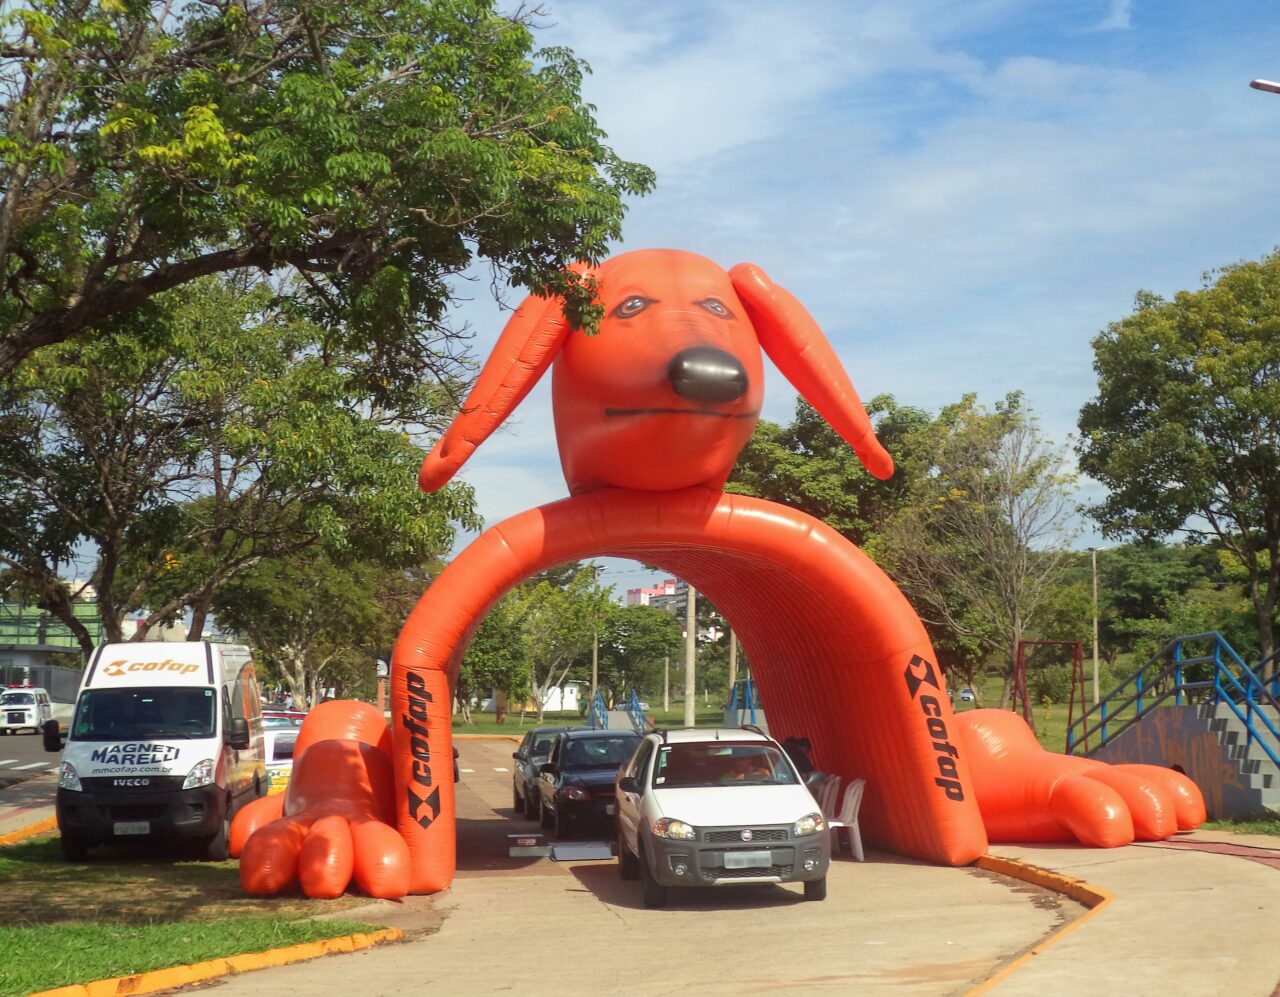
73 849
217 849
544 815
816 889
653 892
628 866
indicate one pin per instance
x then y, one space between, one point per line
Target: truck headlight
808 824
668 827
68 777
201 775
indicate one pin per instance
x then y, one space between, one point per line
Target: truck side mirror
52 735
628 784
238 733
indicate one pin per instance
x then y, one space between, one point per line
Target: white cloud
963 195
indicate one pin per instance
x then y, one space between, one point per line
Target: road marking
501 770
467 770
7 761
33 765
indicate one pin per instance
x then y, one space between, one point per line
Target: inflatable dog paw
1028 794
333 825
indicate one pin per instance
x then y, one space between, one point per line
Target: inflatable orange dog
650 414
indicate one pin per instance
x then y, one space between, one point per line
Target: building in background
645 596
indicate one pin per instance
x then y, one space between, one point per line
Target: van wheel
217 848
628 865
653 892
816 889
73 849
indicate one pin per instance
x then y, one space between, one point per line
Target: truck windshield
132 714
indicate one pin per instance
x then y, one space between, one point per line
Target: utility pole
1093 554
595 665
666 683
733 660
690 654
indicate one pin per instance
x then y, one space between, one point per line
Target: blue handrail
1163 677
637 714
598 715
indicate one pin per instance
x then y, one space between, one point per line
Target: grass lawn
126 912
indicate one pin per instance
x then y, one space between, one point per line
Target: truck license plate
748 860
133 827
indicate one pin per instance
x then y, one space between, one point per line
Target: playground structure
650 414
1198 707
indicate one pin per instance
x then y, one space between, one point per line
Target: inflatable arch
651 413
839 655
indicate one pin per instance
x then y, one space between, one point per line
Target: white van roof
152 663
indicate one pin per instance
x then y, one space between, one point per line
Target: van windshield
17 699
132 714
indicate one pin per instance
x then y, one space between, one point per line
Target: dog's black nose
705 374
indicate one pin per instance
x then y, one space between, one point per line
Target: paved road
540 927
22 756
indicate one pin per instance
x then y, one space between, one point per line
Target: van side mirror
238 733
53 735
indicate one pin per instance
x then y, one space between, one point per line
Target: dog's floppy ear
532 338
793 341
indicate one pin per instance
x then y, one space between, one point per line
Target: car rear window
601 752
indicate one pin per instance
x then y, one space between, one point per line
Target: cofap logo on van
117 669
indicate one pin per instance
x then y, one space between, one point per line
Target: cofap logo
118 669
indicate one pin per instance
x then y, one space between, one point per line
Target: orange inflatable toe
1028 794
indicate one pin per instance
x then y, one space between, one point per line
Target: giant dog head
668 391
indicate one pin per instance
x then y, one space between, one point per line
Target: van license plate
133 827
748 860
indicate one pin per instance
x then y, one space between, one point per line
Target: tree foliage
496 658
633 643
374 148
178 450
1185 430
979 542
560 623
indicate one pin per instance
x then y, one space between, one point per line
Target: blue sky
963 195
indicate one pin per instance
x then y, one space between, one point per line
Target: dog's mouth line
610 412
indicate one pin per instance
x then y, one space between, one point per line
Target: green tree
496 658
213 431
374 148
807 466
307 620
979 543
1185 430
560 624
633 642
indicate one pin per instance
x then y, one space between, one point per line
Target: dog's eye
633 305
715 306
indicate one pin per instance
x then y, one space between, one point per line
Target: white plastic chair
827 793
848 819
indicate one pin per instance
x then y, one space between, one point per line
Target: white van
24 707
165 743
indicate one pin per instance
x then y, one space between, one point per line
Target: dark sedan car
533 751
575 785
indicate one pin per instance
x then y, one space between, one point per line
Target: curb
30 831
1093 897
177 976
